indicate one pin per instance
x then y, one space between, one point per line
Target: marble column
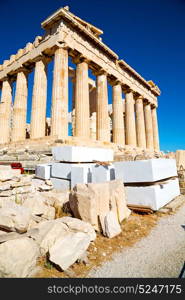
118 121
20 108
140 123
39 98
82 115
148 126
59 120
155 129
73 105
5 112
130 123
102 114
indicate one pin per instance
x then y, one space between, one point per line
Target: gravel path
161 254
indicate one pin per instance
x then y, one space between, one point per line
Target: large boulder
91 202
15 218
68 249
18 258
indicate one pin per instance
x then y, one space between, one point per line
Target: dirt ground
136 227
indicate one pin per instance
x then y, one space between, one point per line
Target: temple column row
139 129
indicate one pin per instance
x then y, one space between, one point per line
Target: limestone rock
83 204
76 225
18 258
118 198
112 227
66 251
57 231
49 213
35 204
15 218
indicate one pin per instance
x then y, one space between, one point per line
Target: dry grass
102 249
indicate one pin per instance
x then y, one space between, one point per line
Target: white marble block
43 171
153 196
80 175
81 154
61 184
103 173
64 170
145 170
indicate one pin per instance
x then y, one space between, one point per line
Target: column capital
127 90
62 45
115 82
80 59
138 97
99 72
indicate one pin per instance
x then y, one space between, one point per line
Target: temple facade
133 117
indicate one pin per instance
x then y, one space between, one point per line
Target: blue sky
147 34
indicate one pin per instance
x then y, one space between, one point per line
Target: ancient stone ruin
133 119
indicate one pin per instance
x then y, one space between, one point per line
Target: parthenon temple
131 120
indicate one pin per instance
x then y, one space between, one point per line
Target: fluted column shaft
130 123
140 123
118 122
82 122
20 108
102 117
148 126
38 115
59 123
155 129
5 112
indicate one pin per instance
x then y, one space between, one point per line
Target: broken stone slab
58 231
66 251
118 200
83 204
49 213
89 201
60 184
15 218
4 187
82 154
7 236
18 258
152 196
45 187
6 175
102 173
111 225
43 171
76 225
145 170
35 204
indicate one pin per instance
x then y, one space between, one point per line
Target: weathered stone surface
60 184
43 171
18 258
66 251
58 231
89 202
78 225
83 204
15 218
118 199
112 227
35 204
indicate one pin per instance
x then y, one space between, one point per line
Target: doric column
5 112
118 122
148 126
82 122
140 123
102 114
39 97
130 123
73 105
59 121
20 108
155 129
